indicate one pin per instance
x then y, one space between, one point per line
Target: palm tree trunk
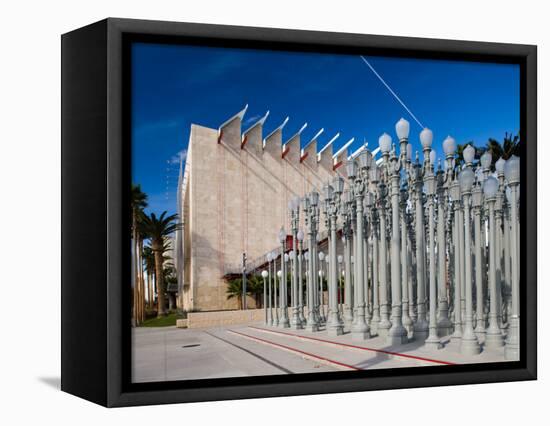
135 271
161 302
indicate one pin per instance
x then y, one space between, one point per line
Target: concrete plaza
169 353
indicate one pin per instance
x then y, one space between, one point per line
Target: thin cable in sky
391 91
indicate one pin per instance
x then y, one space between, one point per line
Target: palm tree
138 201
509 147
158 229
149 260
235 289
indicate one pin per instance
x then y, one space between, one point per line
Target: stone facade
233 199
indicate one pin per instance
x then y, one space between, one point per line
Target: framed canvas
254 212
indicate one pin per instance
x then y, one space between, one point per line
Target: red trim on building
338 164
285 152
303 157
244 141
220 137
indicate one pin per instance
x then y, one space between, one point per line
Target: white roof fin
283 124
240 115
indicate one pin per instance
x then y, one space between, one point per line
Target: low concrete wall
221 318
181 323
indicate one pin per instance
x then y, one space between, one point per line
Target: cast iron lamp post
264 276
374 177
269 306
283 321
511 172
358 178
493 334
300 287
347 231
443 178
397 334
276 320
382 195
430 184
468 344
321 297
310 205
407 321
294 209
477 202
332 199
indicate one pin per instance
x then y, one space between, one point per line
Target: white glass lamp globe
340 258
327 259
384 142
490 187
469 154
432 157
402 129
264 274
279 273
409 152
449 146
338 184
321 256
511 169
269 259
300 235
343 273
426 138
286 257
321 274
466 179
499 165
306 255
282 235
352 259
291 253
314 198
486 160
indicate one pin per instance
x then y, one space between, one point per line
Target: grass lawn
166 321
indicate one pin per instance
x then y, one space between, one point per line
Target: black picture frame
95 210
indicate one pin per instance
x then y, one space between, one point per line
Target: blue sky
175 86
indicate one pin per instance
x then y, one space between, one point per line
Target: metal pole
511 351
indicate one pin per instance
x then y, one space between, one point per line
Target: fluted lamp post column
310 205
332 198
477 201
264 276
283 320
433 340
357 175
347 231
493 335
294 210
469 344
397 333
300 289
269 305
385 324
511 173
321 297
454 191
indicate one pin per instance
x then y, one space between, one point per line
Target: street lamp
397 334
300 288
469 344
512 175
348 209
294 210
332 193
310 205
493 337
264 276
283 321
477 203
321 297
269 296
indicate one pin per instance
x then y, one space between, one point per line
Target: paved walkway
168 353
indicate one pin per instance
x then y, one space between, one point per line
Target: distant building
233 197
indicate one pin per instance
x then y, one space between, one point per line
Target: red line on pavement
269 342
355 346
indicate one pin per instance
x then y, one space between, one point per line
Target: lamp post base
494 340
334 331
433 343
470 346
